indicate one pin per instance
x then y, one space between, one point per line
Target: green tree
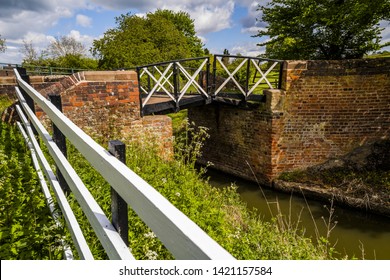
64 52
2 45
323 29
65 45
160 36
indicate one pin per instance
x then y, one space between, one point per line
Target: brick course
106 105
324 110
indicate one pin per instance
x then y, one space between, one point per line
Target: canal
356 234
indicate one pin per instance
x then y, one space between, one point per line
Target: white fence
181 236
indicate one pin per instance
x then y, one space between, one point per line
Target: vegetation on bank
221 214
360 178
27 230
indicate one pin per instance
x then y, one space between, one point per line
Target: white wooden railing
181 236
261 67
172 78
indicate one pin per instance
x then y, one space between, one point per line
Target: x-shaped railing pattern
255 62
175 78
168 76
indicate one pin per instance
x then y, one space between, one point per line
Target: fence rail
42 70
245 75
181 236
237 77
173 79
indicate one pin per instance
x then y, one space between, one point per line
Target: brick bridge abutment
324 110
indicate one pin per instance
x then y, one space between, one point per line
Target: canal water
356 234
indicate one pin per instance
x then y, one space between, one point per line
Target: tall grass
220 213
27 231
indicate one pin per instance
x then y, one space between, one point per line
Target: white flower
150 234
177 194
151 255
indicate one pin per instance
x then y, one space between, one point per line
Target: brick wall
106 105
239 140
324 110
330 108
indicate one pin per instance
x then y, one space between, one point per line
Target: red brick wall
330 108
239 141
106 106
325 110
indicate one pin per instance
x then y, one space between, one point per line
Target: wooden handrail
183 238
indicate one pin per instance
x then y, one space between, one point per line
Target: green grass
385 54
28 232
221 214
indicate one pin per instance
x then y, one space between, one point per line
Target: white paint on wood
191 79
105 231
231 76
49 200
183 238
73 226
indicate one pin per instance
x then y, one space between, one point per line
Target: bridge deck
162 104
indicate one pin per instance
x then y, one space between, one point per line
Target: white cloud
83 20
213 18
209 15
247 49
86 40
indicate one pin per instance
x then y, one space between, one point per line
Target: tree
160 36
65 45
323 29
64 52
2 45
30 54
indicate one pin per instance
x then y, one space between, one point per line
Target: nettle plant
27 231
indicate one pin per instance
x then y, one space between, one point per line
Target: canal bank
357 234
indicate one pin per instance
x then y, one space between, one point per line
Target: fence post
175 85
281 68
30 102
247 78
119 211
213 86
60 140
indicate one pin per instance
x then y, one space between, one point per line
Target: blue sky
222 24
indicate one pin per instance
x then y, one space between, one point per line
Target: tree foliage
160 36
64 52
65 45
323 29
2 45
30 53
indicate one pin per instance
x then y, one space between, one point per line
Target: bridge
264 117
174 85
181 236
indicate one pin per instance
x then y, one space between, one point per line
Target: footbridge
264 117
179 84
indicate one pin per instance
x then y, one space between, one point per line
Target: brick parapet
324 110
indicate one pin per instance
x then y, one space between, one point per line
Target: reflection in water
355 234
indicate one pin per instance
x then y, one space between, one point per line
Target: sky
221 24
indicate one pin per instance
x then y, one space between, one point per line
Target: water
356 233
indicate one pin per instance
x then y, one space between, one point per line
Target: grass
27 231
384 54
220 213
